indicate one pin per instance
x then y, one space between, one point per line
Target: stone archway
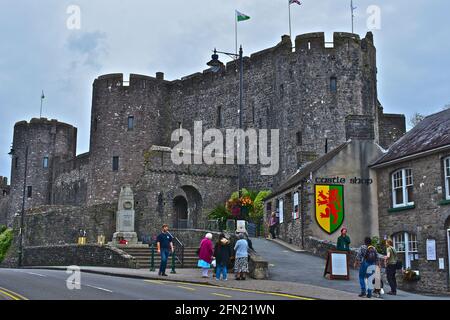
180 206
187 206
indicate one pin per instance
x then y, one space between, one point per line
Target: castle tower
127 119
36 146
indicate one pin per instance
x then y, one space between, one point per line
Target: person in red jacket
206 254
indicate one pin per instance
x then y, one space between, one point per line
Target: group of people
216 256
368 256
221 254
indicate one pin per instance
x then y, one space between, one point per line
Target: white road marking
88 285
37 274
98 288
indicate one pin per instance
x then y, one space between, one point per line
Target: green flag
241 17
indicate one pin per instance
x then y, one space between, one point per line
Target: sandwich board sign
337 265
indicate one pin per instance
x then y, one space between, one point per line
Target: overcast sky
38 51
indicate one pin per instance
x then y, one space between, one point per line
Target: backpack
371 255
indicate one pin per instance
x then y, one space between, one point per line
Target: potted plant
411 275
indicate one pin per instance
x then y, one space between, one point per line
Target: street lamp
216 65
22 214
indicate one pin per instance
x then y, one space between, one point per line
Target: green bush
2 228
5 242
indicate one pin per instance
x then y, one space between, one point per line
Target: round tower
127 119
36 146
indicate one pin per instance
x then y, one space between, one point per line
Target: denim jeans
164 257
363 276
221 270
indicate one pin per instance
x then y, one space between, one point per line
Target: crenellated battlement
42 122
304 44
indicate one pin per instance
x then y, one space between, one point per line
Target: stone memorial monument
125 219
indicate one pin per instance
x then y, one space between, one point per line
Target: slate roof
431 133
304 172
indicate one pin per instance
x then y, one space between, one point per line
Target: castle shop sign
341 180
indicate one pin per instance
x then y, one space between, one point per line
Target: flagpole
235 31
40 114
290 24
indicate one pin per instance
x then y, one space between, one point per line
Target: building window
115 164
45 163
16 162
219 117
130 123
29 191
333 84
406 246
95 124
447 177
299 138
402 188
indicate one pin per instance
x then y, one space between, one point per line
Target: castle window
95 124
16 162
45 163
333 84
115 165
309 45
29 191
144 84
447 177
299 138
130 123
402 188
219 117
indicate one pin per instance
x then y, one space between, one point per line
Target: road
34 284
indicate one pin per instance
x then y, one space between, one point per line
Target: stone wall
60 225
4 200
392 127
428 219
70 181
84 255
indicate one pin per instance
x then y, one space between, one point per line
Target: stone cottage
414 201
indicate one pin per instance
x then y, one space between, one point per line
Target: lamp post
22 214
216 66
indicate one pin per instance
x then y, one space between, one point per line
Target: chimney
160 76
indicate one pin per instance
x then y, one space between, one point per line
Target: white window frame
410 248
447 177
404 186
281 211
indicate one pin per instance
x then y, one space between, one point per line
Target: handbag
214 263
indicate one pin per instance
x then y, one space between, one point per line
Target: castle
317 94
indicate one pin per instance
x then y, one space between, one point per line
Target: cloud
89 47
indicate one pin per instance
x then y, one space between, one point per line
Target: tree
415 119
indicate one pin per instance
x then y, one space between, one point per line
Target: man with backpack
366 257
